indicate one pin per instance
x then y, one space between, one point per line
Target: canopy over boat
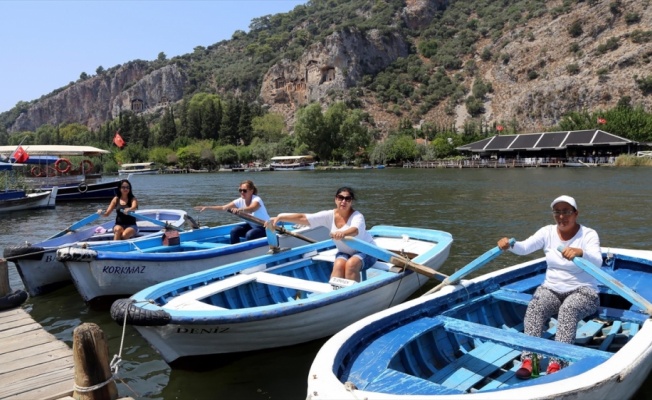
57 150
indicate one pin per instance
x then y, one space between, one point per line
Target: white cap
565 199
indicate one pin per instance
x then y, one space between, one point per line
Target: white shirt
327 219
260 213
563 275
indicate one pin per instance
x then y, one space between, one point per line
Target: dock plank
33 363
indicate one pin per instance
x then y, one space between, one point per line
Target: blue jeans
247 231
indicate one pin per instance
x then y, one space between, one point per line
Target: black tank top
121 218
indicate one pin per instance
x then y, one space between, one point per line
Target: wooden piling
91 356
4 278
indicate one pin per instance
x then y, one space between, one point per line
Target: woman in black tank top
125 201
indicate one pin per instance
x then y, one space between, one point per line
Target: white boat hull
176 341
31 201
619 377
41 271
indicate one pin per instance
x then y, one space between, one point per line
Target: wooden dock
33 363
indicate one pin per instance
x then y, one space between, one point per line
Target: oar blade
388 256
77 225
613 283
155 221
470 267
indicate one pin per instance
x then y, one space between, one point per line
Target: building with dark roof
568 145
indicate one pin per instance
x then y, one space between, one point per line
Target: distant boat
19 200
47 167
292 163
146 168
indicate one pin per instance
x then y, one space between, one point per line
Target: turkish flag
499 128
601 120
117 139
20 155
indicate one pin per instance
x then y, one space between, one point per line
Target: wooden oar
155 221
390 257
77 225
277 228
613 283
470 267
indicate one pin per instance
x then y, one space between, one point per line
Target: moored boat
292 163
146 168
464 342
123 268
37 264
20 200
276 300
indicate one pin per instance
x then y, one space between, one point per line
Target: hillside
523 64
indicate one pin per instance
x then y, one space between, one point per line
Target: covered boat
278 299
464 342
67 167
37 263
292 163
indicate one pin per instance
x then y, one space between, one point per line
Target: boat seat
203 245
191 305
203 292
520 341
292 283
465 372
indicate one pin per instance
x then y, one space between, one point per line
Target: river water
477 206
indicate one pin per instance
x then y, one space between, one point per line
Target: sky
44 45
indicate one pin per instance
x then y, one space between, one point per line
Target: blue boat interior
471 341
282 281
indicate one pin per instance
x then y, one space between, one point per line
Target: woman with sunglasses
124 202
342 221
250 203
567 290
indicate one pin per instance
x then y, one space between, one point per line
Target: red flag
20 155
117 139
601 120
499 128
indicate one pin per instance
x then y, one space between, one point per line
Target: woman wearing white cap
567 290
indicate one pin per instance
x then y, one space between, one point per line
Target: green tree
269 127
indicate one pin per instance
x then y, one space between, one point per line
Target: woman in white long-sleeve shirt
567 290
342 221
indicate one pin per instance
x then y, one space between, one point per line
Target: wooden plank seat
520 341
292 283
186 300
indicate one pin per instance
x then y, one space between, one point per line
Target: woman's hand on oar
77 225
470 267
277 228
390 257
611 282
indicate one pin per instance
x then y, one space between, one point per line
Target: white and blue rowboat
121 269
20 200
278 299
37 263
464 342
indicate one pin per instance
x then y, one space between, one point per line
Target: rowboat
38 266
19 200
276 300
464 341
121 269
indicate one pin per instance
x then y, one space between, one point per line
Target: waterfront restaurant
568 147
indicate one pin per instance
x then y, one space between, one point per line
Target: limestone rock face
100 98
417 14
338 63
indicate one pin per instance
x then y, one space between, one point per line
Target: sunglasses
343 198
243 190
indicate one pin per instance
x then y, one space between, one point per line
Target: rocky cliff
98 99
539 69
